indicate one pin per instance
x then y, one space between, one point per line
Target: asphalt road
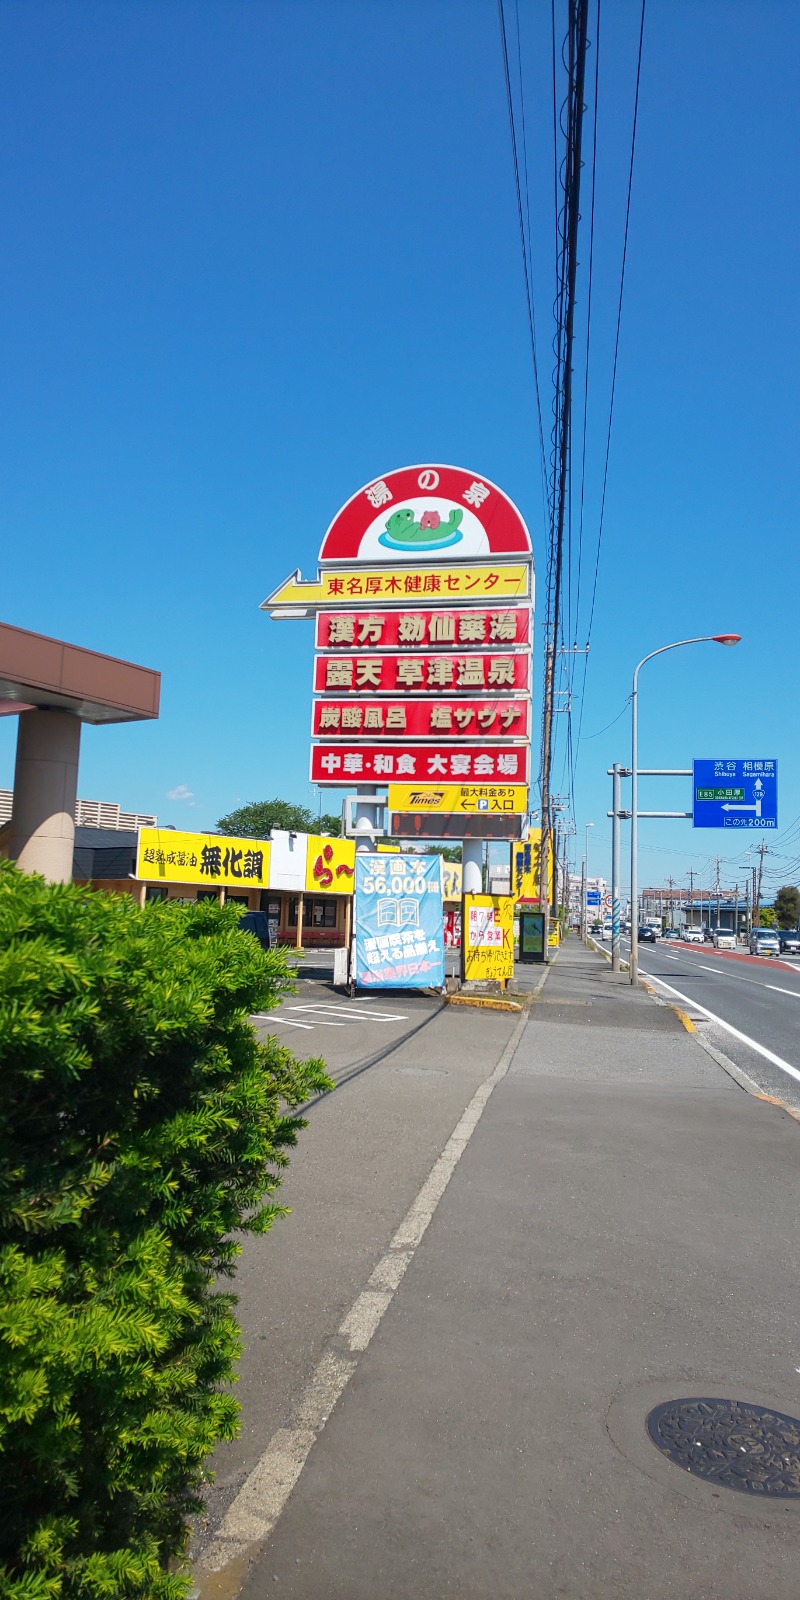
747 1006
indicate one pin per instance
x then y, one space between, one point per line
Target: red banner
420 719
413 674
340 765
428 629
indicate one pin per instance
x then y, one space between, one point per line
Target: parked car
693 936
789 940
647 935
724 939
256 923
764 942
670 933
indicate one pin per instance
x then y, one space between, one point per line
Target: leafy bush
141 1124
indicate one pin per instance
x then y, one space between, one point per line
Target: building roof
36 671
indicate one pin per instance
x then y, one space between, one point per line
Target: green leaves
142 1126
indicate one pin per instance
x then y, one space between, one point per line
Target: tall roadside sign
422 671
735 793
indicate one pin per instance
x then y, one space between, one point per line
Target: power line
529 299
619 320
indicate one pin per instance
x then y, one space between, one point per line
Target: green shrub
142 1125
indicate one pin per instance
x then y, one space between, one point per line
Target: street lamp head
726 638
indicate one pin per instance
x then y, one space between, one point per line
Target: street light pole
586 892
706 638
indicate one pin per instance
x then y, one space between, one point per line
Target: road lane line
253 1514
719 970
761 1049
778 990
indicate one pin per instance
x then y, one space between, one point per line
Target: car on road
724 939
693 936
647 935
608 930
670 933
789 940
764 942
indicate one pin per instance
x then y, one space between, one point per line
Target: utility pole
748 908
571 184
762 850
718 894
671 884
736 912
755 898
691 898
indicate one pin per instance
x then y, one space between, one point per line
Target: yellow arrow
294 597
347 586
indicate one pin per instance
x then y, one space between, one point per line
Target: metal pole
584 892
615 806
634 956
586 869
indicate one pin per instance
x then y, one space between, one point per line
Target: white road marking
761 1049
319 1007
258 1505
272 1016
795 994
720 970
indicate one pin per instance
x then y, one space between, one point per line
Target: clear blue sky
256 254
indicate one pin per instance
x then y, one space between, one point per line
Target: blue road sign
735 794
593 897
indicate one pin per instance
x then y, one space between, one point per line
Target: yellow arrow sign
406 585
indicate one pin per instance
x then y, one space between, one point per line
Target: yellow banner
166 856
454 798
452 878
526 868
401 585
488 934
330 865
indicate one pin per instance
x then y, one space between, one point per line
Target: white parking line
769 1055
272 1016
322 1008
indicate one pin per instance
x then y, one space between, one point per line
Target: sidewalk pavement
620 1230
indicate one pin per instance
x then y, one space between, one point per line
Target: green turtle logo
403 532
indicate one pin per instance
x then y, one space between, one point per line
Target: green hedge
142 1125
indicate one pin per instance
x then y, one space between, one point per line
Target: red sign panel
339 765
500 626
421 510
413 674
420 719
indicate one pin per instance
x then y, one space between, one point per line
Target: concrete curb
484 1002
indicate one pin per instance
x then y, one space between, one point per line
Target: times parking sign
735 794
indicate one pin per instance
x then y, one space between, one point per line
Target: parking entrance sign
735 794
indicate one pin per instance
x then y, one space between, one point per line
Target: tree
448 852
328 823
144 1127
767 917
787 906
257 819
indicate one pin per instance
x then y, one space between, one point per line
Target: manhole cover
732 1443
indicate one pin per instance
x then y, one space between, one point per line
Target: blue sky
257 254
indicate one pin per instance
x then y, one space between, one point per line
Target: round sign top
422 511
